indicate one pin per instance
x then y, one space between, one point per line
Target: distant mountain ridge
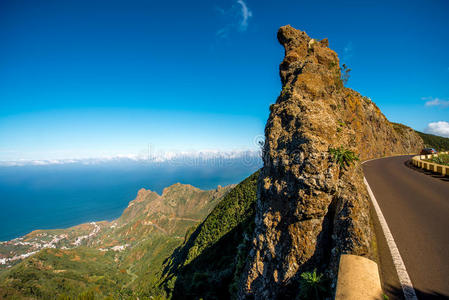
434 141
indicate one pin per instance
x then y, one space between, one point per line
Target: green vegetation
341 124
89 295
54 272
144 263
70 274
433 141
286 91
442 159
345 74
332 65
211 260
341 74
312 286
343 156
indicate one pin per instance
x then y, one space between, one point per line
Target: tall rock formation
311 209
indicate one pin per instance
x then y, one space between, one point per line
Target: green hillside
434 141
210 261
55 272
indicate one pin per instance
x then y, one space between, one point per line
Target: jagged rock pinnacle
311 209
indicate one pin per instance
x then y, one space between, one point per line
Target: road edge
404 278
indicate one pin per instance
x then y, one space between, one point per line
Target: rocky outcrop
310 208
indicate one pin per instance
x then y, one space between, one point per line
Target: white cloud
440 128
237 18
430 101
157 157
245 15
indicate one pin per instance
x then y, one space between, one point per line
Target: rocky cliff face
311 209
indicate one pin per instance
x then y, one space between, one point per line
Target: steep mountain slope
209 262
122 257
434 141
312 205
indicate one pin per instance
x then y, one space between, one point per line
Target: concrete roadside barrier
419 161
358 278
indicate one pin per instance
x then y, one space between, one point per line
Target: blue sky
93 78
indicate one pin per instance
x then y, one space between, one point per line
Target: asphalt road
415 205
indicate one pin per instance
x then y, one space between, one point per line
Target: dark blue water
60 196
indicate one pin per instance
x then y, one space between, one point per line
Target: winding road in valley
415 205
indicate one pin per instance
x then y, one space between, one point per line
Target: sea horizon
62 195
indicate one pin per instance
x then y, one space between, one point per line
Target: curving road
415 205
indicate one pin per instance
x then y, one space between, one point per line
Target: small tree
260 142
345 74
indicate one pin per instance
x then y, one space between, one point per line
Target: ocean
63 195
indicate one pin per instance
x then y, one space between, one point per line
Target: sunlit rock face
311 209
